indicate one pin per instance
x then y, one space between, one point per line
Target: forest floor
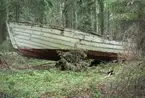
32 78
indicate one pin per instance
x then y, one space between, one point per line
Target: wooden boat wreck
44 42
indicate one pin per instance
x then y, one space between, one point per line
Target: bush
72 60
130 82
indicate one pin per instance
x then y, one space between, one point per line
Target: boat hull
45 42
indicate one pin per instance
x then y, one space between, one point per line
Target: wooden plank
60 37
99 49
103 45
28 46
33 28
32 45
45 39
44 44
48 35
68 43
70 34
51 40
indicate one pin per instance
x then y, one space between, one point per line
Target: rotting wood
32 41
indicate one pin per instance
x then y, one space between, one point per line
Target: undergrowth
73 60
52 83
127 80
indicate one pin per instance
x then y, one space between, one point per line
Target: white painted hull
34 37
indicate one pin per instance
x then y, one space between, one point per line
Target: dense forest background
103 17
121 20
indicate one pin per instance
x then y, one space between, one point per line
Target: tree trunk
2 23
17 12
2 30
95 16
101 15
74 16
108 23
68 13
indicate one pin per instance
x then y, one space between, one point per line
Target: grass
52 82
33 84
